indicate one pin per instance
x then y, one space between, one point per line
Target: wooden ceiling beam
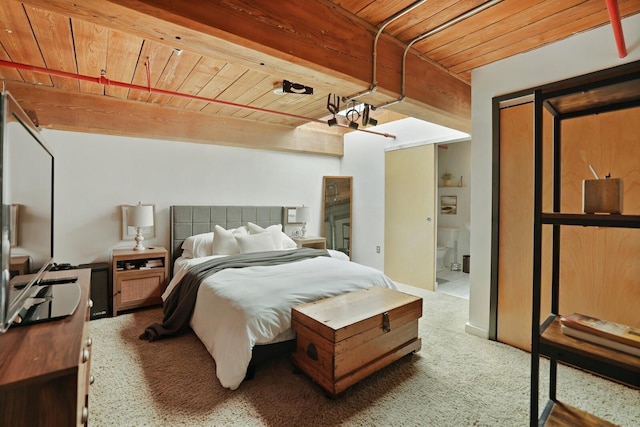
81 112
312 42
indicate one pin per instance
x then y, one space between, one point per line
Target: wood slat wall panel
8 73
298 104
499 34
200 76
599 266
354 6
251 86
122 59
160 25
174 74
379 11
228 74
19 42
515 255
516 219
430 15
91 56
490 20
269 100
157 55
313 108
58 53
530 37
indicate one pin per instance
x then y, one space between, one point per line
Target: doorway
453 230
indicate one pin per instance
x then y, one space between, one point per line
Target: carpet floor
455 380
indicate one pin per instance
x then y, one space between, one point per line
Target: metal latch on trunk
386 326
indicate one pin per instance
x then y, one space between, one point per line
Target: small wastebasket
465 263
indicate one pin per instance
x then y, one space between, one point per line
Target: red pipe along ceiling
614 17
105 81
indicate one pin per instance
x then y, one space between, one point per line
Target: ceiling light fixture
353 115
297 88
353 112
277 88
333 105
366 119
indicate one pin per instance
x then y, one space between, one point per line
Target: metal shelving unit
620 91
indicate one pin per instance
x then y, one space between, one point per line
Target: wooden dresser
44 367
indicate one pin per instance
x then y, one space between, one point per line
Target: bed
243 315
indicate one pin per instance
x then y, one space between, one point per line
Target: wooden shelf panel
597 220
613 364
558 414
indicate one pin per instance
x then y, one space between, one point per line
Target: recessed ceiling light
277 89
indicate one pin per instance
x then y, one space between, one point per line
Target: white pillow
242 231
288 243
255 243
198 245
276 233
338 255
224 241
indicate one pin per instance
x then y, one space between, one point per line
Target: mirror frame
346 184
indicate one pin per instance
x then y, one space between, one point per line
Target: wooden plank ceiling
205 71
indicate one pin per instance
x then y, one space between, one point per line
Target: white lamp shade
140 216
303 214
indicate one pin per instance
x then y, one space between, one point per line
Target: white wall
94 174
583 53
364 160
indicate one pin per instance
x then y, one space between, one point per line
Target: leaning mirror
336 212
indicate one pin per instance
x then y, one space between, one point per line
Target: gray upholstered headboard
189 220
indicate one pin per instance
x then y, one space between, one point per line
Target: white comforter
239 308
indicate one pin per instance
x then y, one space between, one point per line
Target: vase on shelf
447 179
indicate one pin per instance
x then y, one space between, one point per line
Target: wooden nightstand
20 265
139 277
311 242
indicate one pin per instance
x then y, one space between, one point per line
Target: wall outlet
377 249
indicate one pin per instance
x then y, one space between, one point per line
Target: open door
410 229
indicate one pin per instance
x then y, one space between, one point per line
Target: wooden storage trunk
343 339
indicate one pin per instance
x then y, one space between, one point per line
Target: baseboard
474 330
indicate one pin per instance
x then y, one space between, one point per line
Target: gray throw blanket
180 303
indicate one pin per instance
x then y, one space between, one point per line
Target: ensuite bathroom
454 219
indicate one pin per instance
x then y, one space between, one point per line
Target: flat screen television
26 217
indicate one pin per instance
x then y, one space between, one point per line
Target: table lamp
140 216
303 215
